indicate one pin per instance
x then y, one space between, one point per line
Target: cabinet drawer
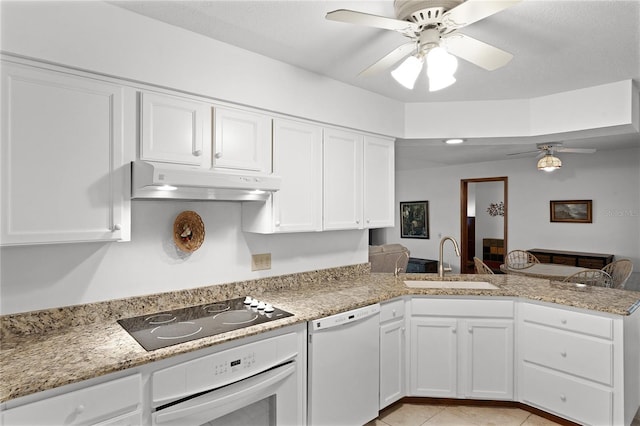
85 406
587 404
591 263
568 320
564 260
392 310
576 354
543 258
462 308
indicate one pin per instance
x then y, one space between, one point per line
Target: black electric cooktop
162 329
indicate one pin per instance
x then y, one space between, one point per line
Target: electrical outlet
261 261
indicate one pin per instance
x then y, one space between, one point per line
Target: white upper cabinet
332 179
64 176
242 140
174 130
297 159
342 177
379 182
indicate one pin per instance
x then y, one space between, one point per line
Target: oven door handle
256 387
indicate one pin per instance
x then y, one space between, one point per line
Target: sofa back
384 258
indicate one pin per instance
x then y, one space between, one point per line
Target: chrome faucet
396 270
441 268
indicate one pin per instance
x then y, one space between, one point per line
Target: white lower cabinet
392 352
117 402
572 364
462 348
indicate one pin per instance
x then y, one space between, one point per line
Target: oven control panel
221 368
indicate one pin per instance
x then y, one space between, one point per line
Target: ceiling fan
549 162
432 27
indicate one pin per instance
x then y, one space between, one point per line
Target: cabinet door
64 177
115 402
242 140
488 358
434 357
342 180
392 362
172 129
297 159
379 182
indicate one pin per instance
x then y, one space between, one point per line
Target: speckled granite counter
46 349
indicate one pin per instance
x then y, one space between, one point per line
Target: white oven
257 383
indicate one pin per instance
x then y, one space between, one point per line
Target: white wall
38 277
99 37
610 178
593 111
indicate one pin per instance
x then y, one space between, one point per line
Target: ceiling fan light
549 163
407 72
441 63
439 83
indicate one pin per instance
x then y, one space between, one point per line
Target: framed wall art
571 211
414 219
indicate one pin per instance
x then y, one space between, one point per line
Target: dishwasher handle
344 318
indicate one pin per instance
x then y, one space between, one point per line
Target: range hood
176 182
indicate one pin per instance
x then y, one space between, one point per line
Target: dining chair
520 259
594 277
481 267
620 270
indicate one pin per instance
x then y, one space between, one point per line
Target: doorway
488 243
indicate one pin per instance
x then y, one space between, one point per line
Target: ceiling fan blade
360 18
477 52
576 150
524 152
474 10
390 59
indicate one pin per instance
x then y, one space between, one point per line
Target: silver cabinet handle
116 227
218 155
197 152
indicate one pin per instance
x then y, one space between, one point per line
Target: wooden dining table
550 271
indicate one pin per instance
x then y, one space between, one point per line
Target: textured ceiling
557 45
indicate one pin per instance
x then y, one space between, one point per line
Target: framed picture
572 211
414 219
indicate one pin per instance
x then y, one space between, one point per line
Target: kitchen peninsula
44 350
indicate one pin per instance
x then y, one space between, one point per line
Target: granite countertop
46 349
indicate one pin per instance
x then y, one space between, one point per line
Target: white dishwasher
344 368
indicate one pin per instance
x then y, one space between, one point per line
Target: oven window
261 413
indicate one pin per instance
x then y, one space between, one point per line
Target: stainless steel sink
451 284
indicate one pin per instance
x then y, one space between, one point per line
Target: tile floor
412 414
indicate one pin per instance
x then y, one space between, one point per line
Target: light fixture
549 163
407 72
454 141
167 188
441 65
